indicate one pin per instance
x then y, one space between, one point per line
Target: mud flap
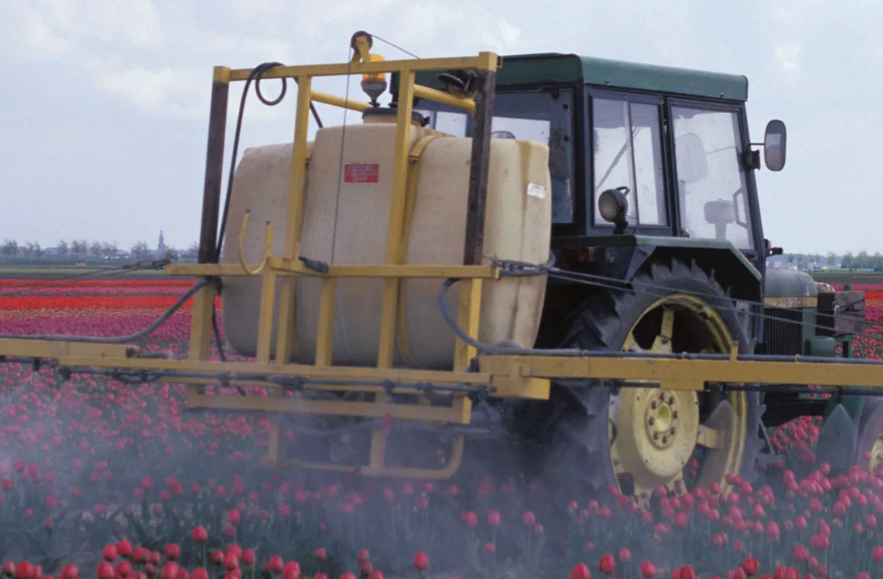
838 439
723 420
853 404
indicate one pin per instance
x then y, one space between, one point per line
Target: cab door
627 144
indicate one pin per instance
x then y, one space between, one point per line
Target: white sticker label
536 190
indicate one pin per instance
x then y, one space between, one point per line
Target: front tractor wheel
641 438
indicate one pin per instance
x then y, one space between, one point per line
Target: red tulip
493 518
625 555
199 534
347 575
421 561
580 571
680 520
648 571
489 548
234 517
471 519
377 575
750 566
321 555
291 570
105 571
248 557
363 555
169 570
217 557
528 519
607 564
199 573
877 554
687 572
124 548
172 551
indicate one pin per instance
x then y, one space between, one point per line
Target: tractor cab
634 149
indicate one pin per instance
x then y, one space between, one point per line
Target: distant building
161 246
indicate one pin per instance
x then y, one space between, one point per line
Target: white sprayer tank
346 222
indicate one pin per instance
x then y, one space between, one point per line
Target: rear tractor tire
638 439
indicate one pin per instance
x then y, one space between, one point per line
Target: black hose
491 348
255 75
219 344
119 339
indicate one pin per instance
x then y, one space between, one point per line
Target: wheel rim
876 459
655 435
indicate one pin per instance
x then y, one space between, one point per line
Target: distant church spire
161 246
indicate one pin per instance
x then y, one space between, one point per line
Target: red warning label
361 172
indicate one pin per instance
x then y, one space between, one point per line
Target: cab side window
628 153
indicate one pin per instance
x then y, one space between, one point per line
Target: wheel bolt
674 415
662 396
671 400
673 431
654 405
664 440
655 436
651 421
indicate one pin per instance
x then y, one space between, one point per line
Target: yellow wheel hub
663 419
654 433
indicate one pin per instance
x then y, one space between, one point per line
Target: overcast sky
105 102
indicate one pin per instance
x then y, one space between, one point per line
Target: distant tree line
848 260
83 251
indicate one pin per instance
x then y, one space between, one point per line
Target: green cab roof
616 74
571 68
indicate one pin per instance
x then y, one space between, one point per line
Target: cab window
711 181
543 117
628 153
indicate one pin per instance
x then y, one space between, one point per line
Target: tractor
653 185
564 249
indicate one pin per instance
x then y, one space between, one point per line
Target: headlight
613 205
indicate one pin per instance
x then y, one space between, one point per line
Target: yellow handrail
268 245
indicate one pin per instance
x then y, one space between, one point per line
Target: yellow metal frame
502 376
278 274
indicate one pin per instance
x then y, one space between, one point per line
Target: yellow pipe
484 61
330 99
444 98
268 245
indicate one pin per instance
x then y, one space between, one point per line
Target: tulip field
115 481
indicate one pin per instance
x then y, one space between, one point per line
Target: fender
622 256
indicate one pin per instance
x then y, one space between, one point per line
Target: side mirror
774 143
770 250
